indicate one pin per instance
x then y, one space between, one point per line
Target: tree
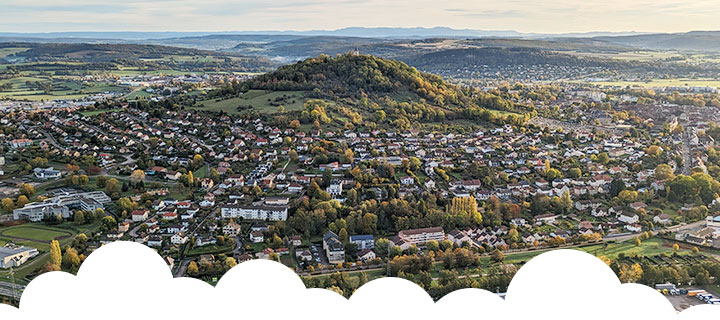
638 242
654 151
498 255
71 260
574 173
676 247
348 156
664 172
197 161
628 196
109 223
230 262
190 179
432 245
27 189
112 186
137 176
630 273
55 254
8 205
382 247
193 269
79 217
683 188
343 235
101 180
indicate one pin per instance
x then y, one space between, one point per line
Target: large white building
273 213
62 205
418 237
13 256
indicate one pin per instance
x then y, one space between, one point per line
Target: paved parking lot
683 301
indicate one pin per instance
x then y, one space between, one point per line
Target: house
334 248
366 255
155 241
123 226
335 188
296 240
629 218
407 180
232 228
179 238
20 143
46 173
363 242
204 241
638 205
139 215
304 255
458 237
662 218
545 219
633 227
256 237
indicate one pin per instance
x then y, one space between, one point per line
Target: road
685 149
184 262
7 289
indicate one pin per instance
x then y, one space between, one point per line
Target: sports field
35 233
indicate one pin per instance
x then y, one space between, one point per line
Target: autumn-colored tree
27 189
343 235
137 176
193 269
55 254
112 186
498 255
630 273
8 205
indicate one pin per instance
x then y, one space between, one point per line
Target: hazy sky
542 16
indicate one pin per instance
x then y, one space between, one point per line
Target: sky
531 16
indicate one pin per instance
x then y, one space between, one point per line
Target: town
633 182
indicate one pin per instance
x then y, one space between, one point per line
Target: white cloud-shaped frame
125 280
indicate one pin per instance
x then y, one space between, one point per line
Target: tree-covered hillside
364 87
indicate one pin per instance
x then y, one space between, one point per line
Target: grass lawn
212 249
35 232
96 112
258 99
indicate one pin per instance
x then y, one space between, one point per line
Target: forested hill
380 88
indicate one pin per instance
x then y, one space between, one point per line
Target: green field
258 99
213 249
35 233
662 83
4 52
61 88
96 112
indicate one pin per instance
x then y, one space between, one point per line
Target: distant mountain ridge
377 32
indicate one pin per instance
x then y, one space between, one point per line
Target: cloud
226 15
125 280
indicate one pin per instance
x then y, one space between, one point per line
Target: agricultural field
644 56
5 52
261 101
663 83
37 88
